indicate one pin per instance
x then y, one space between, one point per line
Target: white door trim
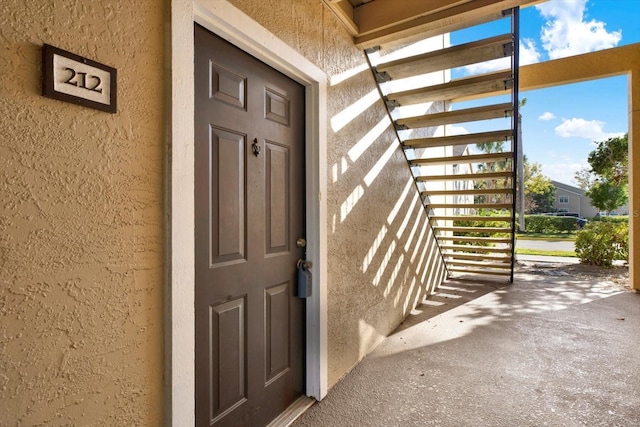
230 23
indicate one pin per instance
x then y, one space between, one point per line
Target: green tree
539 192
610 160
491 166
607 196
584 178
610 166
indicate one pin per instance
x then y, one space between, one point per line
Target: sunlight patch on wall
347 115
366 141
421 46
377 242
422 257
407 216
419 294
384 263
436 273
417 247
400 202
369 337
350 203
411 83
417 222
394 276
413 110
439 273
380 164
407 302
345 75
433 272
339 169
400 291
432 250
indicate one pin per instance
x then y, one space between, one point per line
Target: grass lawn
561 237
545 253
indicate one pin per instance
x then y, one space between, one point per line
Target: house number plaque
72 78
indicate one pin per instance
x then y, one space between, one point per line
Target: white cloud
563 171
528 55
581 128
528 52
547 116
567 33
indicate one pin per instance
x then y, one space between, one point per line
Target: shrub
461 222
550 224
614 219
601 242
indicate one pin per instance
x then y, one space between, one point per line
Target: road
546 245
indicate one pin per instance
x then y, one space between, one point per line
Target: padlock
304 279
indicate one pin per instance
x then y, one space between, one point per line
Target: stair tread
467 176
451 57
466 139
456 269
471 218
475 239
458 88
475 248
471 205
482 264
471 158
485 112
470 191
490 257
467 14
474 229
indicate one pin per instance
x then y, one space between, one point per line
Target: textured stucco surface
381 255
81 227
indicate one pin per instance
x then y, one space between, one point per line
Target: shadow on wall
383 257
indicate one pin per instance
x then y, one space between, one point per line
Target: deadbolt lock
301 243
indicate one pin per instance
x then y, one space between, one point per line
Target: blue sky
561 123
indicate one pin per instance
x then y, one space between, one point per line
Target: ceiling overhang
389 22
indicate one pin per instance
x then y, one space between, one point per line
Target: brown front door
249 191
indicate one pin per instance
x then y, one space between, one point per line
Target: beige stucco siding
82 241
81 225
381 254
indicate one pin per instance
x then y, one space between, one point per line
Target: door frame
230 23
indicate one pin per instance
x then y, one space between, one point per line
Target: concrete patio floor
556 348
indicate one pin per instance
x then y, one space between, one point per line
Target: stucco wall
381 255
81 227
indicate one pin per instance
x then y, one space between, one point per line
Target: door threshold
292 413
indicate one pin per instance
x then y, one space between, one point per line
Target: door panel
227 86
277 188
228 332
228 196
249 212
276 331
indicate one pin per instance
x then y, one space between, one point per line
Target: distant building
573 199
